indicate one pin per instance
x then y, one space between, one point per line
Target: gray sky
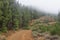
52 6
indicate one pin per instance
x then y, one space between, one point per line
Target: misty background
50 6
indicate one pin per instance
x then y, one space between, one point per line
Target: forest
15 16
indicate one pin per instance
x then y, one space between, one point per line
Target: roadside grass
52 29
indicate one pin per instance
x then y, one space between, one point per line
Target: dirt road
21 35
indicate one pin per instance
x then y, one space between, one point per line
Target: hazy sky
46 5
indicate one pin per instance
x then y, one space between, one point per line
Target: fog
52 6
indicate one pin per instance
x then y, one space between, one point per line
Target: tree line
15 16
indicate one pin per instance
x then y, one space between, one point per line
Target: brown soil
21 35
